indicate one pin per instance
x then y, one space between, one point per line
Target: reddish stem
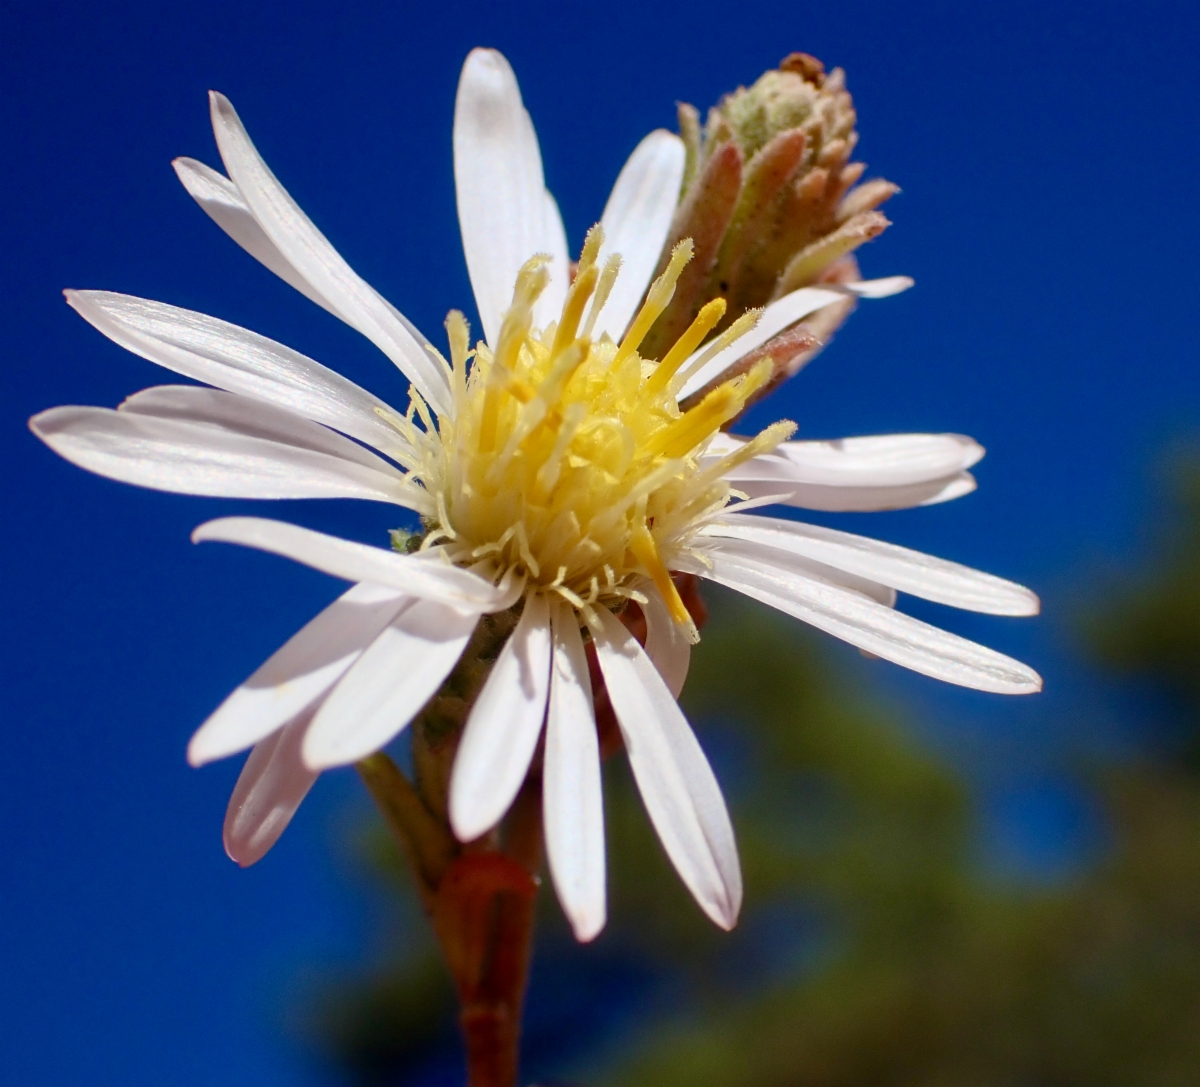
483 912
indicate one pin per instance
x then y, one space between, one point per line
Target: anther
641 543
706 320
531 281
608 276
735 331
662 290
577 298
718 407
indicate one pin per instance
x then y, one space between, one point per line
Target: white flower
550 465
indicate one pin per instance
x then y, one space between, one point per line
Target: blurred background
944 888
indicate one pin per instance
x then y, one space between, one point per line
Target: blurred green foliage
873 951
1149 630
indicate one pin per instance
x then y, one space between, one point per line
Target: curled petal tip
220 107
724 914
200 750
974 453
195 756
317 758
587 929
464 824
236 854
483 54
881 288
1030 683
209 530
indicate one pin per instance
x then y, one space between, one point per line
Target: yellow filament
458 333
581 289
641 543
706 320
718 407
739 328
662 290
531 281
577 298
608 276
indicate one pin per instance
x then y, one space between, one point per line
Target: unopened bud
797 94
771 201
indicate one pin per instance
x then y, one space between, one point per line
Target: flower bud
771 201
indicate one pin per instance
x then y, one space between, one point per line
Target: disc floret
566 460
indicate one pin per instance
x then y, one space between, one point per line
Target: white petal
859 499
572 800
666 645
202 458
423 575
233 358
886 460
787 562
499 182
775 318
387 686
503 728
549 305
310 253
267 794
877 629
955 487
636 220
298 674
253 418
223 203
879 288
909 571
891 471
675 780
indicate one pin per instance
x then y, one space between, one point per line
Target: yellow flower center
567 459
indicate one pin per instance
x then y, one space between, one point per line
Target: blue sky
1047 154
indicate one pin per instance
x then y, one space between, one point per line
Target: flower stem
480 898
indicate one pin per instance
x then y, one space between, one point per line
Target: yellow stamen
577 298
592 243
662 290
641 543
763 442
735 331
531 281
458 332
608 276
717 408
706 320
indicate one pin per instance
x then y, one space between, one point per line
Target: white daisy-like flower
553 468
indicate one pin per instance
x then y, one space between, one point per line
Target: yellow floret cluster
566 460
